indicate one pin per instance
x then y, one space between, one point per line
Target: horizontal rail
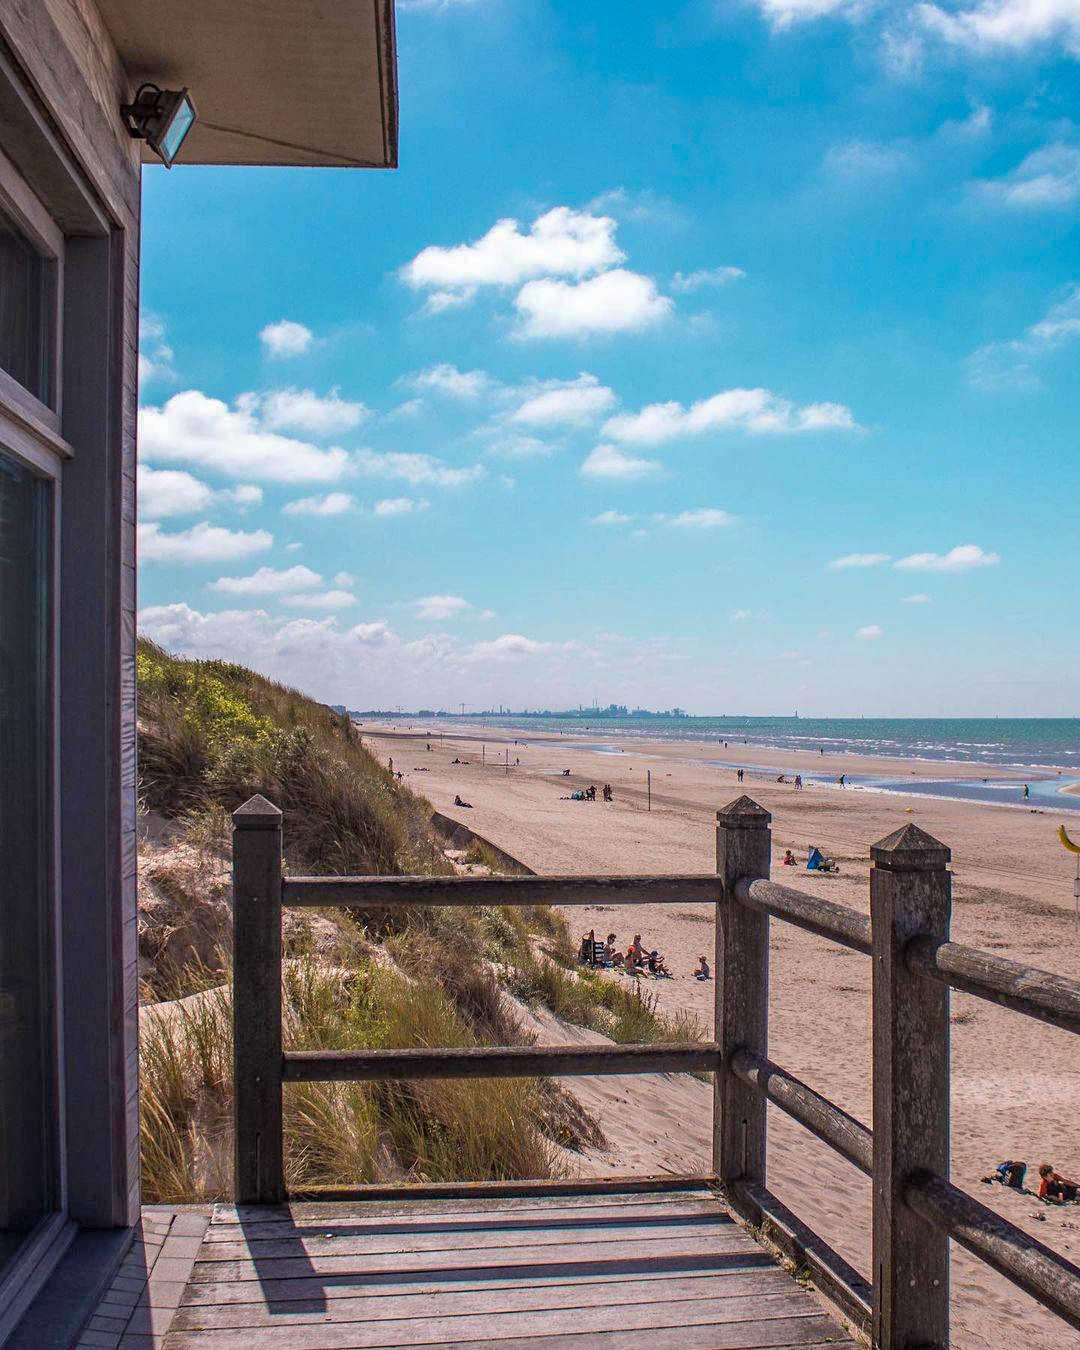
519 1061
848 1136
507 890
664 1183
1046 1276
1024 989
837 922
830 1272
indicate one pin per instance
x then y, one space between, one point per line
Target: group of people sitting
1054 1189
634 961
589 794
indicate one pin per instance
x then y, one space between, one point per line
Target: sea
1046 749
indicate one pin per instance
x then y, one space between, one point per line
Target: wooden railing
916 1210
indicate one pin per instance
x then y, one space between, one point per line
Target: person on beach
789 858
1056 1189
703 972
657 967
459 802
637 948
1027 792
798 782
612 955
739 774
840 780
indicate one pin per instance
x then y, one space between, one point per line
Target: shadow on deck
618 1270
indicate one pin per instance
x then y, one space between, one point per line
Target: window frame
30 435
20 202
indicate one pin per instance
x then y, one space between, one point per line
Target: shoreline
863 773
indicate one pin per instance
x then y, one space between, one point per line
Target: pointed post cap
743 814
257 814
910 849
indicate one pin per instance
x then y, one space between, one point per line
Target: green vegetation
210 735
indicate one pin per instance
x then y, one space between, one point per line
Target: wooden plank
469 1190
518 1061
750 1336
494 1324
458 1240
497 1202
564 1275
610 1216
453 1301
741 995
259 1175
838 923
910 895
848 1136
1025 989
379 892
1047 1276
725 1243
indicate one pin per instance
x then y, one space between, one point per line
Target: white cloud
172 492
960 559
285 338
512 647
561 242
754 410
328 600
304 410
613 302
611 518
447 379
1013 364
919 599
783 14
607 461
328 504
1009 25
155 355
440 301
400 506
564 402
506 444
706 276
269 581
858 560
704 518
194 429
1046 179
437 608
416 469
869 632
740 615
201 543
858 161
344 579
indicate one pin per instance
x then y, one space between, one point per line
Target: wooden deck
547 1273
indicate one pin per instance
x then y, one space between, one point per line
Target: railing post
910 894
743 852
259 1177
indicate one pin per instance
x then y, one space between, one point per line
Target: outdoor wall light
162 118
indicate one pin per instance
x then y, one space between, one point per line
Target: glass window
27 311
27 1055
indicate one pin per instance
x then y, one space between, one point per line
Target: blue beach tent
816 858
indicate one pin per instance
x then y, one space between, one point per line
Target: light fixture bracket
161 117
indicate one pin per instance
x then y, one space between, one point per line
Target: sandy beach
1016 1083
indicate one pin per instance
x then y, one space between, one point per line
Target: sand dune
1016 1083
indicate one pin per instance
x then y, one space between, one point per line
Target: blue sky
718 354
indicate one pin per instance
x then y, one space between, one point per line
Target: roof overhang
274 81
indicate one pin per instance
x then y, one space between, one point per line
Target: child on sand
703 972
1056 1189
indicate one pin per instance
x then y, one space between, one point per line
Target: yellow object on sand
1073 848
